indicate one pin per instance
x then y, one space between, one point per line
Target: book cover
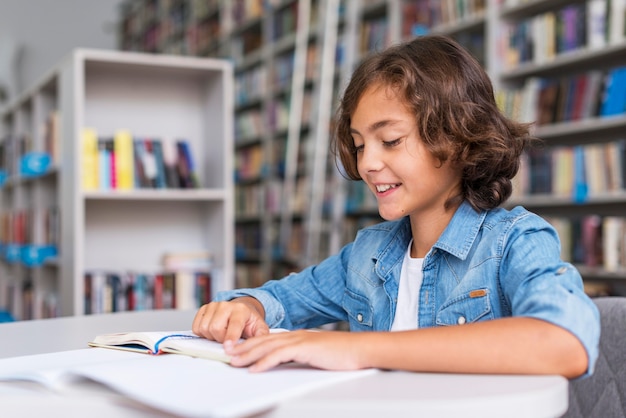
170 164
159 161
51 135
141 180
185 284
591 234
614 98
104 164
89 159
110 144
617 21
596 23
547 102
186 169
124 160
149 163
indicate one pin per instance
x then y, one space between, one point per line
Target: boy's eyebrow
376 125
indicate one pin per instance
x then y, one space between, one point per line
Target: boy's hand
223 321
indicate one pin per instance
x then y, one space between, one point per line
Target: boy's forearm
511 345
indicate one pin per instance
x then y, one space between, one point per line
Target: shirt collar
461 232
456 239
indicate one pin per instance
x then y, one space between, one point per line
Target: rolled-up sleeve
306 299
540 285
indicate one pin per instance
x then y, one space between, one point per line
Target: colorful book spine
104 165
89 173
124 160
157 150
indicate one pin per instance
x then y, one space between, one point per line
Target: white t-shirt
411 277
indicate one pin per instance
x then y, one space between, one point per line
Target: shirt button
461 320
359 317
561 270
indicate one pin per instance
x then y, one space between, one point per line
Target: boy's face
394 162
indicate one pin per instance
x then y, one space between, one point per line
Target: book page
148 339
195 387
195 347
51 370
180 385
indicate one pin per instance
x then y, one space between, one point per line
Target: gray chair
604 393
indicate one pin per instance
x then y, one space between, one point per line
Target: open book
157 342
180 385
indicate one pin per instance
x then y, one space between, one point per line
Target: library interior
156 152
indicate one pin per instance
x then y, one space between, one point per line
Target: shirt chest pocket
359 310
471 307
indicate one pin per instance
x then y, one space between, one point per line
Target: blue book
581 188
157 150
614 100
104 164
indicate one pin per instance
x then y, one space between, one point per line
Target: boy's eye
358 148
390 144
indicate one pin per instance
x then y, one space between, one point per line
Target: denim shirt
485 265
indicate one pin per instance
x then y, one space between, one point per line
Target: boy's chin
391 216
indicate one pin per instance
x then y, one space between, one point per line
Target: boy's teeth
384 187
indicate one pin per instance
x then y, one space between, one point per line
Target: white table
395 394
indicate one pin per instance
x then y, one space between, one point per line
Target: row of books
107 291
24 302
575 171
257 199
593 24
15 149
249 125
419 16
593 241
31 225
124 162
253 200
571 98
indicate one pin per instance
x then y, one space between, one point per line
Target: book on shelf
617 21
124 160
156 148
597 13
52 136
186 168
154 342
593 241
116 291
578 171
90 170
614 98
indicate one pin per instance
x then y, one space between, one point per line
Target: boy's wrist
252 303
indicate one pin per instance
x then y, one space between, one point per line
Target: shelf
531 7
579 131
468 24
153 97
576 61
612 203
170 195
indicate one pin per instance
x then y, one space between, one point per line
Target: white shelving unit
152 96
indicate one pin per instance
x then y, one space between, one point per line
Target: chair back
603 394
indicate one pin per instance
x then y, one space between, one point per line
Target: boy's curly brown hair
455 111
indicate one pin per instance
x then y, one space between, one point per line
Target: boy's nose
370 160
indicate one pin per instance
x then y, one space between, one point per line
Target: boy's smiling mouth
381 188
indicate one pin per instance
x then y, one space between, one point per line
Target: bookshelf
562 79
511 38
109 229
